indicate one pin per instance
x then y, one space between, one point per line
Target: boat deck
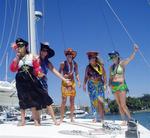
81 128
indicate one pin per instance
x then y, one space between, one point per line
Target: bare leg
62 109
72 108
22 123
35 116
123 104
51 112
38 114
117 97
101 110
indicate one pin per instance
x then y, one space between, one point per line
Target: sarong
119 86
68 90
96 91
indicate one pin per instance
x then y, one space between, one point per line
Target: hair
99 61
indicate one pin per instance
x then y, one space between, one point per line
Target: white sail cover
8 94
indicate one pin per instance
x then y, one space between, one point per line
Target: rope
61 24
131 39
107 27
148 1
4 25
17 26
13 20
128 34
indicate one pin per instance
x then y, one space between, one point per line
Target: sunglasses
20 45
92 58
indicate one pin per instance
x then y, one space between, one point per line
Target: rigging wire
61 24
4 25
148 1
107 27
17 27
11 30
127 32
18 21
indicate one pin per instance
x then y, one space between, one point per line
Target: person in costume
68 68
95 78
45 53
117 81
29 89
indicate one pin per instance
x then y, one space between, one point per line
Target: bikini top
117 70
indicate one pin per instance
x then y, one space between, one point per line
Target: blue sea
143 118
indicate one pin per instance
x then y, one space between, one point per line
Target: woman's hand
136 48
68 81
41 74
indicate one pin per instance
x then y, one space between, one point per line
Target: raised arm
14 64
56 72
131 57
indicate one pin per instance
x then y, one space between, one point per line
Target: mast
31 26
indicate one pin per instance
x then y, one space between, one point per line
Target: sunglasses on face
92 58
69 54
113 56
20 45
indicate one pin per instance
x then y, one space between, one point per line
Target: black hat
21 42
114 54
45 46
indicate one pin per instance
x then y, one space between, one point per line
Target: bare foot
21 124
36 123
72 120
94 120
56 123
124 123
61 120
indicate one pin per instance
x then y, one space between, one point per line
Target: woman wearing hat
29 89
45 53
68 68
95 78
117 81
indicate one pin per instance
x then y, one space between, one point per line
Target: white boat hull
81 128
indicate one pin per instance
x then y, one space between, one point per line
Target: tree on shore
133 103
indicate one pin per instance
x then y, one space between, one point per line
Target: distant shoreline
132 112
140 111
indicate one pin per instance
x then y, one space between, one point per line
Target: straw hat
70 51
92 54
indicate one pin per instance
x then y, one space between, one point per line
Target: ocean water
143 118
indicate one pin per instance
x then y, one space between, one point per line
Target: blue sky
82 25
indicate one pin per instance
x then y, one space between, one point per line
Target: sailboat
81 128
6 86
8 91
